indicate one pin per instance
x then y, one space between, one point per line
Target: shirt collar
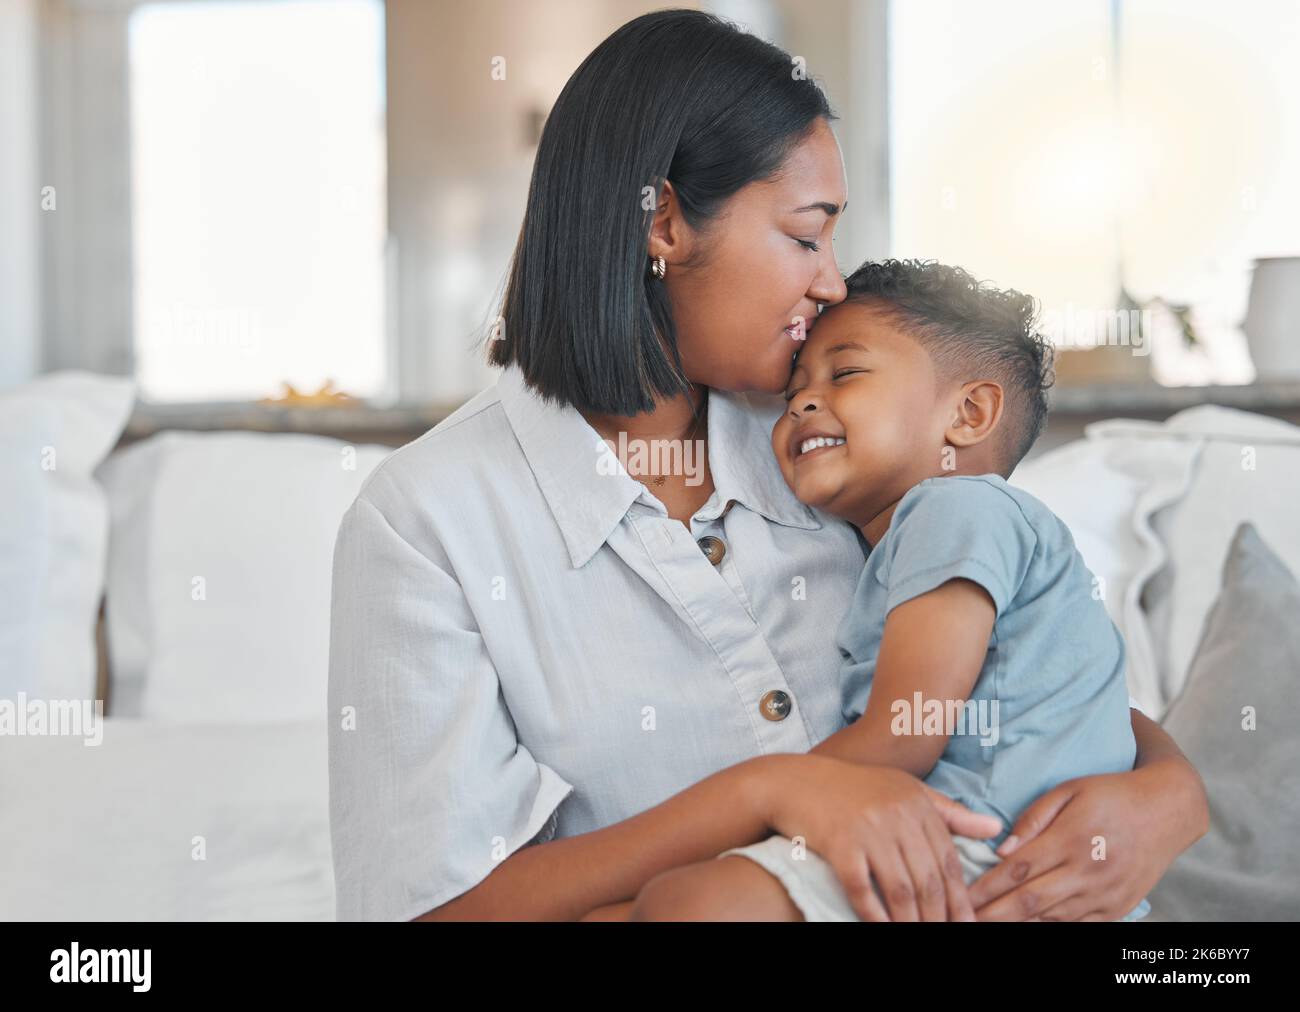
588 501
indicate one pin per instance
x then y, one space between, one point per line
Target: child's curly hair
971 329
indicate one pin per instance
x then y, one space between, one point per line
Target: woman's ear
669 233
979 409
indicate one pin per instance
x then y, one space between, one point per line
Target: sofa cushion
1235 720
219 572
54 431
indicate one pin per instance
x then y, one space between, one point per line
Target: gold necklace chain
658 480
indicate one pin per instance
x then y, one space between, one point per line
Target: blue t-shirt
1050 702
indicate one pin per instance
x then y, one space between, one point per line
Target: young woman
552 679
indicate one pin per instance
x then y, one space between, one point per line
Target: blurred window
258 197
1074 148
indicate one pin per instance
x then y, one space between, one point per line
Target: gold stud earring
658 267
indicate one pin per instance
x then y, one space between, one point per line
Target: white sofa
207 796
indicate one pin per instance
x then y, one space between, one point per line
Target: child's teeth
808 445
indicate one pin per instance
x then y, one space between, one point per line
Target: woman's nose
828 286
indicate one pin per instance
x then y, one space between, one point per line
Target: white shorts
815 889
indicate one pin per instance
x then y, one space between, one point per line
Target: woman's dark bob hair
677 94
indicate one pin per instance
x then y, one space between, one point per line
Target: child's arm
934 644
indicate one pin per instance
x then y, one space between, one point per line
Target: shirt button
775 705
713 548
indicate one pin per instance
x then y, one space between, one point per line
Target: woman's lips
798 329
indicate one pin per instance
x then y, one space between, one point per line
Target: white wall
460 157
845 46
19 194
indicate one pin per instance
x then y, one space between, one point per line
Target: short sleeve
957 528
429 787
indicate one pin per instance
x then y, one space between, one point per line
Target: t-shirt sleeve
429 787
953 528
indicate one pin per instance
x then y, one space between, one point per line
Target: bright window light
258 197
1023 149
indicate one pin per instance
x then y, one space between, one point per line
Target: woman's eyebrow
822 205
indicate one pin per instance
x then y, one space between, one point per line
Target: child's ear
979 409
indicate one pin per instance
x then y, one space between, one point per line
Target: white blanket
1153 506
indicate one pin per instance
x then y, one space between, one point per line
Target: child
976 653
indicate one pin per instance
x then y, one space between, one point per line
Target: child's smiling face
862 382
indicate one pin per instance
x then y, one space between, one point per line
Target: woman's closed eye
808 244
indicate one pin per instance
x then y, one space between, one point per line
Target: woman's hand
1051 868
870 821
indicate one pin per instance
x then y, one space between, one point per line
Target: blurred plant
325 397
1182 312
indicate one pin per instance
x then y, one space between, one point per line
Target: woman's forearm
564 879
1174 779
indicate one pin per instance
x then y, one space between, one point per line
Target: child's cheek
780 449
780 440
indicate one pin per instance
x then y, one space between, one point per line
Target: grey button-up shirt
525 645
